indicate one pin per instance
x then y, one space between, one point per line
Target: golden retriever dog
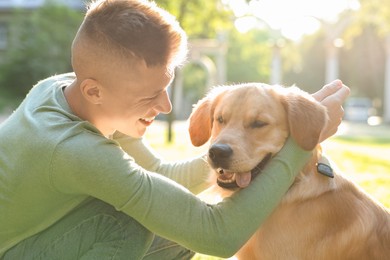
323 215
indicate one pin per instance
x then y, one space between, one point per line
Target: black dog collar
325 169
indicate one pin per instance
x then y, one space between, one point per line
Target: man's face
134 98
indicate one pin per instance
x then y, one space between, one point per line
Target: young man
76 180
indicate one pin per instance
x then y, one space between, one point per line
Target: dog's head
248 123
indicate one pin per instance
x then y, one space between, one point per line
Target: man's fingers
328 90
337 97
343 93
332 96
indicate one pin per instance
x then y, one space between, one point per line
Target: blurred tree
199 18
249 56
39 47
361 59
304 62
363 62
373 13
365 54
194 85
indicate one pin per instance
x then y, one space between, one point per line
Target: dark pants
96 230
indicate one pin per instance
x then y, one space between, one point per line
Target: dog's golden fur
319 217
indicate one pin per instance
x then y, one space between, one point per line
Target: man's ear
91 90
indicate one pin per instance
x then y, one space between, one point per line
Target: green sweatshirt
51 161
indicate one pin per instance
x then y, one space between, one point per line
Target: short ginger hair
136 30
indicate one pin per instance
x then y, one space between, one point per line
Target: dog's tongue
243 179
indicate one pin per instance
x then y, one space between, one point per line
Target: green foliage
375 13
194 85
249 56
363 59
308 69
199 18
39 47
362 65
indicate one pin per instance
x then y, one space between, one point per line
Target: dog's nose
220 154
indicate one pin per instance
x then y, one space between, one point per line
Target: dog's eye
258 124
220 119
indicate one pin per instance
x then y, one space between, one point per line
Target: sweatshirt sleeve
192 174
167 208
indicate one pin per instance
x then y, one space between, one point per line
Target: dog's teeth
149 119
225 176
226 180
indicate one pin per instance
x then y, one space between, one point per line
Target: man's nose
163 104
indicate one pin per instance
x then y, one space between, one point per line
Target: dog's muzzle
227 179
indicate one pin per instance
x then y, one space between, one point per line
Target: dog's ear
306 117
200 122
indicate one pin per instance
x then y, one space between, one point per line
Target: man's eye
149 98
258 124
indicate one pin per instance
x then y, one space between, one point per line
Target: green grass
364 156
365 161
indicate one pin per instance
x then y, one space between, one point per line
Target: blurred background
304 42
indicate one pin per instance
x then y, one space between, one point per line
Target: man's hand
332 96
